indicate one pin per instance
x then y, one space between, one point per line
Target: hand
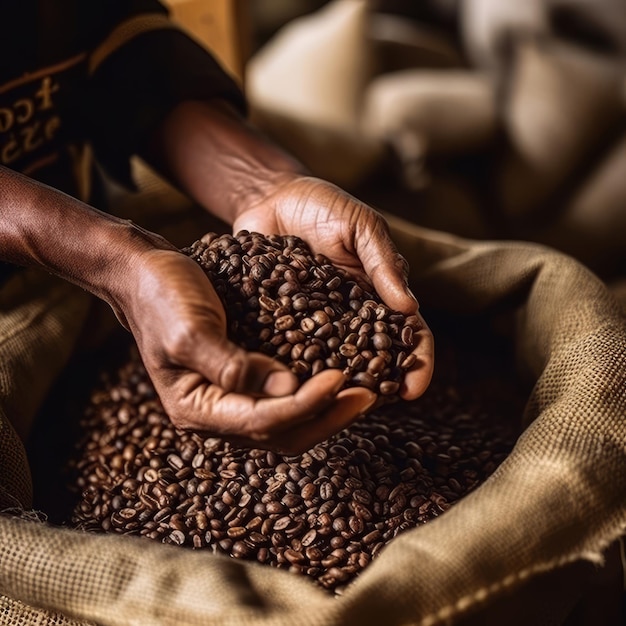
207 383
165 299
353 236
255 185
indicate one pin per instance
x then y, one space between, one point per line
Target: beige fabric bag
305 88
563 105
519 550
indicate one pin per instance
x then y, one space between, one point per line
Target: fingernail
280 383
357 400
332 379
368 403
410 293
340 384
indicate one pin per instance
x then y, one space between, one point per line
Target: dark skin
204 381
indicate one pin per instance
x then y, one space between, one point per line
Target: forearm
217 158
44 227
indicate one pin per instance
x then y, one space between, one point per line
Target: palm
328 219
353 236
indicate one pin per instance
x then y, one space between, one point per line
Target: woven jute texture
544 517
41 317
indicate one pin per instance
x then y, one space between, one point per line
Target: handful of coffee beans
296 306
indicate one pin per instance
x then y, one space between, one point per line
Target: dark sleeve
135 83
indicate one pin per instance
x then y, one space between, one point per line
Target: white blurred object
488 26
593 225
315 67
421 112
562 103
305 88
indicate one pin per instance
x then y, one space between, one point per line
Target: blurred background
489 119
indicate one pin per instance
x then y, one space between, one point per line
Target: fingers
387 269
196 403
187 331
270 416
289 424
251 372
205 349
418 377
349 405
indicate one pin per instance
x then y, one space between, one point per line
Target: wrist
123 249
44 227
216 157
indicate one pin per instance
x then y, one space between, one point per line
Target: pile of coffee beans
328 512
324 514
296 306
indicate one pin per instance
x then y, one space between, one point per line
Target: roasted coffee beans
324 514
328 512
296 306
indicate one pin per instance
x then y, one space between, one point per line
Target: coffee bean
376 365
236 531
388 387
326 491
348 350
364 379
293 556
177 537
312 353
292 500
282 523
307 325
410 360
308 491
406 336
285 322
300 303
240 549
381 341
268 303
301 367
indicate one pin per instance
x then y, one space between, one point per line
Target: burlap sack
562 110
519 550
422 113
592 226
41 319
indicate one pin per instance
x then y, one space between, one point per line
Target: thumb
389 276
254 373
236 370
388 271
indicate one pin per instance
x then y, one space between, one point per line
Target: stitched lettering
27 107
28 122
32 138
6 120
45 93
11 150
